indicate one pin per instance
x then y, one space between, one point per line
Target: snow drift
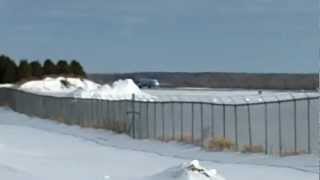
83 88
60 85
6 85
188 171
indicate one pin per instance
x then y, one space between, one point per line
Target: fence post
212 121
249 124
192 123
309 127
103 105
92 113
236 126
108 116
295 124
141 131
163 124
173 121
181 121
155 121
119 112
147 119
201 124
133 116
266 126
112 114
123 110
103 116
280 128
224 120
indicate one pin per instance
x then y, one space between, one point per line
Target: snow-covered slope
9 173
38 149
83 88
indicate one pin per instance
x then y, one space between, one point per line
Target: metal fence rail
282 127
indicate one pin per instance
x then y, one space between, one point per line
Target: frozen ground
36 149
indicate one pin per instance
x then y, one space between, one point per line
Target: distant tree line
10 72
282 81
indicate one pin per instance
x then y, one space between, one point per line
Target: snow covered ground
37 149
225 95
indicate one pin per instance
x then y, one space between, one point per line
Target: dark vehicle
148 83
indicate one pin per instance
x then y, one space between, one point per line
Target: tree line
10 72
282 81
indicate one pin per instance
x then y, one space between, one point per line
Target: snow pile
83 88
58 86
6 85
121 89
188 171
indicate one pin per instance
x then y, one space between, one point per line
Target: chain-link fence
284 126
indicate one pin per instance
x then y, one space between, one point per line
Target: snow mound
121 89
57 85
188 171
83 88
6 85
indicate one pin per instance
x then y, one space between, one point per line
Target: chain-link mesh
284 125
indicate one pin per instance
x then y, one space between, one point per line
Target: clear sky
165 35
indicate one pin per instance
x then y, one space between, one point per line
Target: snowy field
125 88
227 96
206 92
37 149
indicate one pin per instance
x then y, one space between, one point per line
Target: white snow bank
188 171
121 89
58 85
83 88
6 85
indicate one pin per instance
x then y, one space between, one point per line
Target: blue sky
165 35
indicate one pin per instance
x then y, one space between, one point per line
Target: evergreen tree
2 66
8 70
49 67
10 73
24 70
63 67
37 70
76 69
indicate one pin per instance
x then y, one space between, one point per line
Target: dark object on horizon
147 83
